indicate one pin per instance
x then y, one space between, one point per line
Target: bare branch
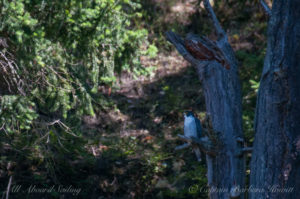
186 145
220 32
188 139
266 8
61 124
9 70
178 42
43 137
247 150
2 127
242 151
203 143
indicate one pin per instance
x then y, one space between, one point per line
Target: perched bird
203 48
192 128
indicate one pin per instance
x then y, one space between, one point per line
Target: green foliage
16 113
254 85
152 51
251 65
65 49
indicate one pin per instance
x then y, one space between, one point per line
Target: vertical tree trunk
223 103
275 164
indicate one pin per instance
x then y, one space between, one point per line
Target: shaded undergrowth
127 150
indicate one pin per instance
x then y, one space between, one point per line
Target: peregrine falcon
192 128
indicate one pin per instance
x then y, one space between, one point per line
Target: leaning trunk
275 164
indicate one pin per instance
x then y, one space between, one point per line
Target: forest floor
137 133
133 138
136 138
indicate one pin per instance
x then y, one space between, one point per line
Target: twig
59 142
48 139
247 149
9 67
203 143
220 32
41 138
187 139
61 124
2 127
266 8
242 151
94 152
68 130
8 187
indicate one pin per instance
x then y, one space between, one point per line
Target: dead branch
10 70
266 8
178 42
247 149
186 145
205 144
220 32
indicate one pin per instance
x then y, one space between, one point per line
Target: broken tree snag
178 42
197 49
274 161
266 8
222 92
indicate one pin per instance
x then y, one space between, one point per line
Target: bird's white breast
190 129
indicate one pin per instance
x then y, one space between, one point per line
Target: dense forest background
92 94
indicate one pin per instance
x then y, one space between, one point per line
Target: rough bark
276 156
223 103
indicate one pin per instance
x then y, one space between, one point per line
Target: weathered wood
266 8
223 103
276 155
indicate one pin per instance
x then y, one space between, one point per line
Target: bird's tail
198 153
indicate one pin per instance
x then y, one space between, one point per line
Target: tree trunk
226 170
275 164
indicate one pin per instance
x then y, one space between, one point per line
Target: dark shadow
162 101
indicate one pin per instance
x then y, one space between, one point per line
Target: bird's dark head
189 113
